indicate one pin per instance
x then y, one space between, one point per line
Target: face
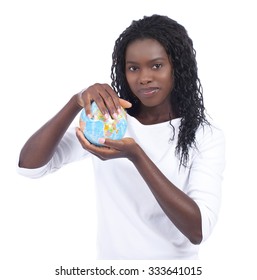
149 73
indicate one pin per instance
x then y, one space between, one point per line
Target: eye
157 66
132 68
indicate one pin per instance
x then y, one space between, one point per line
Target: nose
145 77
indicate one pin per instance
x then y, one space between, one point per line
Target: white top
131 224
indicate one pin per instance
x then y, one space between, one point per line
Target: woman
159 188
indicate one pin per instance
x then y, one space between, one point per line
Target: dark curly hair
186 96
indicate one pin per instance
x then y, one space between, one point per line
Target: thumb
124 103
107 142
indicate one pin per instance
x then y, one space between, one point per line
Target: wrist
79 99
136 155
75 101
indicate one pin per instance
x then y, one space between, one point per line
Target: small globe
99 127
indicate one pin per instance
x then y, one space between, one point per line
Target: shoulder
210 140
210 131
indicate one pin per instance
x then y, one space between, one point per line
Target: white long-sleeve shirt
131 223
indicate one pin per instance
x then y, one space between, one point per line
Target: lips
148 91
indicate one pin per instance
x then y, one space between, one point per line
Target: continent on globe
99 127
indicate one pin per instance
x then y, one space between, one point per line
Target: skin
149 73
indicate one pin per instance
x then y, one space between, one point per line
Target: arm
41 146
178 206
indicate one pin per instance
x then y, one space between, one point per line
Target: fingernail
106 116
115 116
101 140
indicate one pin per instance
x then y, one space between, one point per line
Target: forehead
145 48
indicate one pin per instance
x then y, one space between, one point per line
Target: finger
82 139
113 144
115 99
95 93
95 150
87 104
124 103
111 100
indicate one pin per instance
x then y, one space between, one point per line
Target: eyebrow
152 60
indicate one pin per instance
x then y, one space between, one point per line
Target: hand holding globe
99 127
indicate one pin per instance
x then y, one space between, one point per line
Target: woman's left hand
110 149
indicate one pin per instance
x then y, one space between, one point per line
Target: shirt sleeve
68 150
206 176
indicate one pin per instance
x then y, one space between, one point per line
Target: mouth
148 91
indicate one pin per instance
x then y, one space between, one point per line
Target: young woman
159 187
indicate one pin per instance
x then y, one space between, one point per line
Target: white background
50 50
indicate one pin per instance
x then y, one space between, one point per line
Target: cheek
168 79
130 79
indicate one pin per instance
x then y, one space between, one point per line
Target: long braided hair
186 97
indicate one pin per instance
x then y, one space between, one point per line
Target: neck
155 115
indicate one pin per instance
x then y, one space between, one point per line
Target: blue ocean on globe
99 127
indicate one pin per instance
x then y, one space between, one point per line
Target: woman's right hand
105 97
